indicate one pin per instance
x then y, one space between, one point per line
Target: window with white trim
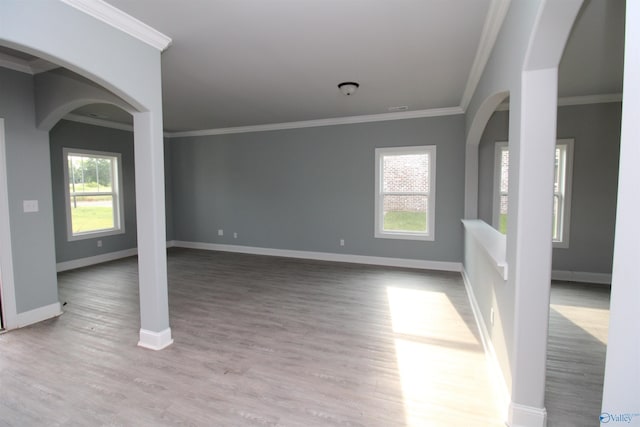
405 192
561 190
93 188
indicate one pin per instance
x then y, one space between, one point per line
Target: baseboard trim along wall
526 416
492 359
155 340
326 256
581 276
38 314
97 259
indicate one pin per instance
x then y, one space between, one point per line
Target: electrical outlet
341 242
30 206
235 235
221 232
99 243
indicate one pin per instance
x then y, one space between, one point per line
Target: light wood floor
258 341
578 326
261 341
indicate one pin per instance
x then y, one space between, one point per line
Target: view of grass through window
92 197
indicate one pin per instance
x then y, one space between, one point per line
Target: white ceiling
252 62
236 63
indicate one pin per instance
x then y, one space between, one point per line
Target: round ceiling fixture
348 88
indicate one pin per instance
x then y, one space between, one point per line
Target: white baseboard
92 260
38 314
492 359
581 276
526 416
98 259
326 256
155 340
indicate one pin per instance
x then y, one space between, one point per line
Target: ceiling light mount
348 88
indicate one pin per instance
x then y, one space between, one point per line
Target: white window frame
116 193
430 150
564 194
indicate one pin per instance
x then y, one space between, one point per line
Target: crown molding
566 101
435 112
98 122
492 25
118 19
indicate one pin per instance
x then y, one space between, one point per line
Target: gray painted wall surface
168 195
596 130
29 178
304 189
77 135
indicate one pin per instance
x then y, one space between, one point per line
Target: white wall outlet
493 316
235 235
341 242
30 205
99 243
221 232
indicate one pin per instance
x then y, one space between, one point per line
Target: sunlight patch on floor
441 364
594 321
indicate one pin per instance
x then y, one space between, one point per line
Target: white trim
495 372
526 416
39 314
379 232
97 259
7 283
155 340
171 243
567 101
567 191
434 112
326 256
497 166
98 122
581 277
116 193
492 25
491 241
110 15
35 66
567 178
15 64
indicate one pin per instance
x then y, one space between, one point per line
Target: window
94 193
405 192
561 190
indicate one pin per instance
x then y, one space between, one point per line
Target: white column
150 212
531 166
621 399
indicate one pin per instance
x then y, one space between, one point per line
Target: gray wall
78 135
304 189
596 130
67 134
28 178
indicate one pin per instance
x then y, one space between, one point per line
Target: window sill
95 235
403 236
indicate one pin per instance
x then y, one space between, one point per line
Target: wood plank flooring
263 341
578 325
258 341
